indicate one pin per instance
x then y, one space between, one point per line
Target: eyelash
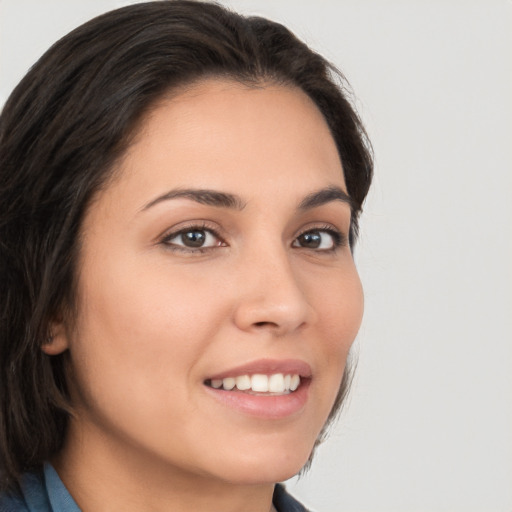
338 239
187 229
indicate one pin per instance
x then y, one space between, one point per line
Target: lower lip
264 406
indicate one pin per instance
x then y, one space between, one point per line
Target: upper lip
267 367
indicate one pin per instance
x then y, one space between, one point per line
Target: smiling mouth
258 384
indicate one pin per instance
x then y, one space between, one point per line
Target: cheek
341 313
141 331
144 304
341 308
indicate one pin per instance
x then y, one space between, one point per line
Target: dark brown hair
61 132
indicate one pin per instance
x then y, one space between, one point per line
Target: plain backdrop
429 423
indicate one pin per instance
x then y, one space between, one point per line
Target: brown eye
311 240
193 238
320 239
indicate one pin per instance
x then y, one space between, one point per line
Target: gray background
429 423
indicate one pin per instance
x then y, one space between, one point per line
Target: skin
155 319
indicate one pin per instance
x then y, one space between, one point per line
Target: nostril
264 324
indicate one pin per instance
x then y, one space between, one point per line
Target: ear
57 341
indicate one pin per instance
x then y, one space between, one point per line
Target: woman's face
217 257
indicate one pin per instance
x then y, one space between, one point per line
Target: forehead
221 134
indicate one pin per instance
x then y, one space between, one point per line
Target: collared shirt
45 492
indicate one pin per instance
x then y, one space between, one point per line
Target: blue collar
58 495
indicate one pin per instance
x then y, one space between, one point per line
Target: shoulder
284 502
31 498
12 503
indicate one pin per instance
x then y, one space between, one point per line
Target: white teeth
243 382
259 383
294 382
276 383
228 383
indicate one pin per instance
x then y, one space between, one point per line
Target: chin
265 466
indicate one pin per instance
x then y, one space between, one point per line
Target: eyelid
340 239
190 226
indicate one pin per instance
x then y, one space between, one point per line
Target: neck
105 477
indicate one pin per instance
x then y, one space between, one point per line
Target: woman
180 193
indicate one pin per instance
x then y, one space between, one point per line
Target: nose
270 295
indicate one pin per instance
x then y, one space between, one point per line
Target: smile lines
259 383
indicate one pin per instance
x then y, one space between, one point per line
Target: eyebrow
202 196
232 201
325 195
